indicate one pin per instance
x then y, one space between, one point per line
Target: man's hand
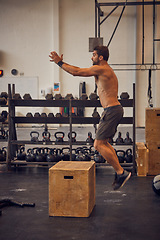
55 58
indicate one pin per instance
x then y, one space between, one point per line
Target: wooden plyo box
154 158
142 159
152 125
72 189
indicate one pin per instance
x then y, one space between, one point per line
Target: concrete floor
130 213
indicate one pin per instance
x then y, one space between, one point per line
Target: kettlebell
74 134
51 155
129 156
89 138
21 155
59 136
46 136
34 136
121 156
127 140
98 157
40 156
58 155
29 156
65 154
119 140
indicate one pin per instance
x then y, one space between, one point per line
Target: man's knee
98 144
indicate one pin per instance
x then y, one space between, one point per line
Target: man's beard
96 63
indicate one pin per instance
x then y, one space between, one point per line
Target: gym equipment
58 115
34 136
69 96
40 155
87 153
156 184
50 115
89 139
128 140
58 96
29 114
2 155
49 96
80 156
46 136
83 96
17 96
121 156
4 94
65 154
21 155
2 133
95 114
59 136
37 114
3 101
93 96
43 115
4 114
73 138
27 96
98 157
129 156
51 155
8 202
30 157
58 156
124 95
119 140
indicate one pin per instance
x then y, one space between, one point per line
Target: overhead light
1 73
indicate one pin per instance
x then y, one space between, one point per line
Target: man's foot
120 180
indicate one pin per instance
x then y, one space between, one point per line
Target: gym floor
130 213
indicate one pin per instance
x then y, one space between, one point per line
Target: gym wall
31 29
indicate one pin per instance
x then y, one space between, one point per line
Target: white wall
31 29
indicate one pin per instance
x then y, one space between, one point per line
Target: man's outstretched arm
75 71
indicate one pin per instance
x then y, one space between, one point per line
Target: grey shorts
109 121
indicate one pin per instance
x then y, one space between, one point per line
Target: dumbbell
124 95
69 96
27 96
93 96
17 96
29 114
58 96
119 140
128 140
49 96
83 96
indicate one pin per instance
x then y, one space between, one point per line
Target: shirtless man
107 85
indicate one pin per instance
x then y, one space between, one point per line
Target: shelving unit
12 103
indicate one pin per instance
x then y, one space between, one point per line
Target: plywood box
72 189
152 125
142 159
154 158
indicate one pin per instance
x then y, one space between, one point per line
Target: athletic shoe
120 180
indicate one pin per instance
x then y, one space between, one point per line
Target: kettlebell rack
13 143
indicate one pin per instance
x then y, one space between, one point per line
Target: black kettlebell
89 139
65 154
2 156
2 134
58 155
51 155
46 136
80 156
129 156
98 157
87 153
119 140
40 156
73 138
21 155
121 156
59 136
127 140
34 136
29 156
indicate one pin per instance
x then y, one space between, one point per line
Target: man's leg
107 151
109 154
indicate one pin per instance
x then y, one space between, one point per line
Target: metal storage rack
12 103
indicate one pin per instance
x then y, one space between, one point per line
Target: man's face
95 58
